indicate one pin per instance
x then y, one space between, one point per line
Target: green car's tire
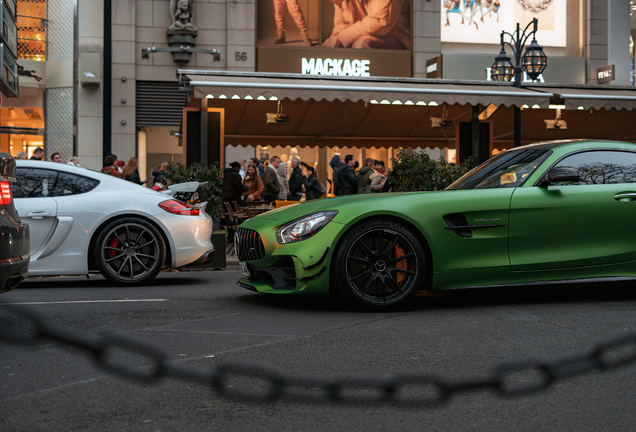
379 265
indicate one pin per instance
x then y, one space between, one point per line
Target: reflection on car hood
293 211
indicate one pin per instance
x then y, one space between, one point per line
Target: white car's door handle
38 214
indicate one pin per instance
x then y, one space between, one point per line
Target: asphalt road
202 320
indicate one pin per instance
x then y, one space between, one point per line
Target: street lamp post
533 63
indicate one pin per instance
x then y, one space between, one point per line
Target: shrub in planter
418 172
201 172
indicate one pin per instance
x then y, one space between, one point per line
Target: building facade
109 86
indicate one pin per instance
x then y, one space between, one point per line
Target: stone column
123 125
426 35
607 44
59 94
89 99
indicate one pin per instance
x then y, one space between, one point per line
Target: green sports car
551 212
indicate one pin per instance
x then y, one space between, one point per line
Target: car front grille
249 245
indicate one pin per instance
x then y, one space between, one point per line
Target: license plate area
244 270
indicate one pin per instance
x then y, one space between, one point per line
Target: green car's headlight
304 227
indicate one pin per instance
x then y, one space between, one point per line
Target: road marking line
87 301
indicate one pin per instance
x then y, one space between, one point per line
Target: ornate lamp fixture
533 61
502 69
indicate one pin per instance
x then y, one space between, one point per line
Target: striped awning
397 91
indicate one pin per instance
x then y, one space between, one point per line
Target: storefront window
32 29
22 122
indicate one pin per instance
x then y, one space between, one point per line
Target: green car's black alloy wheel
380 265
130 251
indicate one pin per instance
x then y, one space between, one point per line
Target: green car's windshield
507 169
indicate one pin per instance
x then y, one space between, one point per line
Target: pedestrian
117 166
336 165
56 157
109 167
295 181
21 155
312 187
74 161
362 178
233 187
38 154
271 188
281 171
254 184
160 175
131 171
259 167
243 170
378 180
347 178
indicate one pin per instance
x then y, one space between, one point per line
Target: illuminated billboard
357 24
482 21
334 37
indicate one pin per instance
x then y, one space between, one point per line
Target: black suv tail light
5 193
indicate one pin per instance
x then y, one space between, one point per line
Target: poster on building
482 21
356 24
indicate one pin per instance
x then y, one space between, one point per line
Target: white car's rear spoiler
187 187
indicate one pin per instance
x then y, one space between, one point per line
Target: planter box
218 259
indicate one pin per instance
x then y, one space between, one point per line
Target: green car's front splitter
300 268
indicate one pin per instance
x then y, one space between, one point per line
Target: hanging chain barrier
144 363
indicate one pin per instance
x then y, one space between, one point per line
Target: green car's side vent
458 223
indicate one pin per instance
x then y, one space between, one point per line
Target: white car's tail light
177 207
5 193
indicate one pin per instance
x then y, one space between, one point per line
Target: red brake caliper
113 243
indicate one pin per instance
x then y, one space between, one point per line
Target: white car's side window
33 183
70 184
38 183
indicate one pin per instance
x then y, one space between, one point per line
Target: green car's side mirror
561 175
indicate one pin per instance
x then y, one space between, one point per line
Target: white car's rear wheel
130 251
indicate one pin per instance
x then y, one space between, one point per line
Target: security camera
557 123
278 119
441 123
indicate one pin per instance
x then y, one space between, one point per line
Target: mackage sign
336 67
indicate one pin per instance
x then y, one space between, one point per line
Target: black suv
14 235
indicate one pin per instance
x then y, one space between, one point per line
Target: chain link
251 383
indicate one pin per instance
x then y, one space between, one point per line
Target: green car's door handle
625 196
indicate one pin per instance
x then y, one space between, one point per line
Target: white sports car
82 220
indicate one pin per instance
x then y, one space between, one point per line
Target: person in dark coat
347 178
271 185
363 175
257 163
336 164
159 176
131 171
295 181
312 189
233 187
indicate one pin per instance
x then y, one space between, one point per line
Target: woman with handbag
312 185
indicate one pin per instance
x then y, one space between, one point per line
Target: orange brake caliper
399 252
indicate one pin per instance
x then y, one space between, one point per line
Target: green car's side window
602 167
